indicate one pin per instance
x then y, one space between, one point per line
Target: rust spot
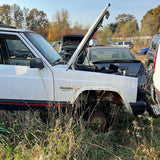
113 97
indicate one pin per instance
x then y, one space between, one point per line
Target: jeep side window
18 53
13 51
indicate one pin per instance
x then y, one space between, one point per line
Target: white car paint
79 81
60 83
22 82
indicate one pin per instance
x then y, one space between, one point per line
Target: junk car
34 76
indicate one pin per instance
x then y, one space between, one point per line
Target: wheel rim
98 121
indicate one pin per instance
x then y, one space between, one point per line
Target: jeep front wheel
97 121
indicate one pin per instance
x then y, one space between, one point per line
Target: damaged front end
145 103
76 62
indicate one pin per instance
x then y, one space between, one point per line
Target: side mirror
36 63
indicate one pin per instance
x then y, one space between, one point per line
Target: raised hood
88 36
71 39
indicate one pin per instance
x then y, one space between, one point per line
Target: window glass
127 43
18 53
120 43
44 47
110 54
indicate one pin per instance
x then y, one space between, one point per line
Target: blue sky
86 11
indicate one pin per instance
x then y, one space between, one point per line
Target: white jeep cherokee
34 76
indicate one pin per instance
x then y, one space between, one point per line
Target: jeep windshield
44 47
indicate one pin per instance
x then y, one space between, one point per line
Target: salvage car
155 87
125 44
149 62
34 76
92 42
69 44
117 61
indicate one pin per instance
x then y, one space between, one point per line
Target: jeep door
20 85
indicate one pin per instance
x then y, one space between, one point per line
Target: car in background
116 60
69 44
149 62
155 87
92 42
125 44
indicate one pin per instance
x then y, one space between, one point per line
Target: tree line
125 26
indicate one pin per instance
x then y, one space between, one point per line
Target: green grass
65 138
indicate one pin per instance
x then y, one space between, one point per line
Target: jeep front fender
122 98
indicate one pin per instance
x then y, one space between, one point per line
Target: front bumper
138 107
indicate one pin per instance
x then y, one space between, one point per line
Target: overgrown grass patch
136 138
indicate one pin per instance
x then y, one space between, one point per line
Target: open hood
88 36
71 39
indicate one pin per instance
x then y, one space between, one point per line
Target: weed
136 138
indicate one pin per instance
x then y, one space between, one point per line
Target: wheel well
92 102
93 96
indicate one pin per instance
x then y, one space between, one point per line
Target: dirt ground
139 56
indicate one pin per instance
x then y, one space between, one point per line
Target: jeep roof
12 29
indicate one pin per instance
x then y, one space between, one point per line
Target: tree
113 27
156 14
62 20
103 35
130 29
17 16
59 26
42 31
5 14
25 16
53 31
121 21
148 26
36 19
150 23
123 18
78 28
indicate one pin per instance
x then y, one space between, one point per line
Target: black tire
97 121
